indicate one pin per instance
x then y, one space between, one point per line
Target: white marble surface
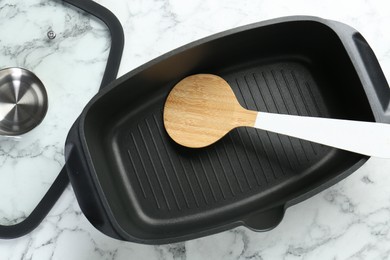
347 221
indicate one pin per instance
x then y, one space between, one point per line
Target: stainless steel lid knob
23 101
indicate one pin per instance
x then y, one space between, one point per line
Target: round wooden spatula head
201 109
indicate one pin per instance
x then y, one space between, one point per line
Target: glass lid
67 49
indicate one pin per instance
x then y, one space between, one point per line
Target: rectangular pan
134 183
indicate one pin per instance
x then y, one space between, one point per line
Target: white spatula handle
372 139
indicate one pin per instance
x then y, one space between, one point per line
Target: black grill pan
134 183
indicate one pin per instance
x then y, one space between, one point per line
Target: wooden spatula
202 108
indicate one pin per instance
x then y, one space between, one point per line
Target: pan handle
110 73
375 73
368 69
265 220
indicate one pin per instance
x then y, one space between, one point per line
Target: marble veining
347 221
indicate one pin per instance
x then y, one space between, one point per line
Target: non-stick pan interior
157 189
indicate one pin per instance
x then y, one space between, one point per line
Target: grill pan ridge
134 183
245 161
